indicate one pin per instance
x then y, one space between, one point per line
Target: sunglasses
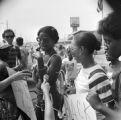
10 36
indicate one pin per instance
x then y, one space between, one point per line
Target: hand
45 78
18 68
21 75
69 91
37 55
94 100
66 91
45 85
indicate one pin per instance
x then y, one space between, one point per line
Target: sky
26 17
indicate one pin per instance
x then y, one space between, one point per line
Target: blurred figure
13 51
61 51
24 52
31 53
70 66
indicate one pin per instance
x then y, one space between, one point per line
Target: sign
77 108
74 21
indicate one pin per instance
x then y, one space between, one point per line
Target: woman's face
75 51
112 47
45 42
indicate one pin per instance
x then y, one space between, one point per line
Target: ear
82 49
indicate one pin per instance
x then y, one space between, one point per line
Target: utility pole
7 24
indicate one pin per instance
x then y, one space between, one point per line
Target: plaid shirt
14 54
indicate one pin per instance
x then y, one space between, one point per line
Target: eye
73 49
37 39
107 42
45 39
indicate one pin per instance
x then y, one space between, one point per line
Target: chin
76 59
44 49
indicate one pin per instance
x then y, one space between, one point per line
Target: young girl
49 64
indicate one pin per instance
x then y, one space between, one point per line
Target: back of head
88 40
19 41
111 25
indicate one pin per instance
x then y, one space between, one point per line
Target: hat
50 31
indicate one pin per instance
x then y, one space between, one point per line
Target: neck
10 44
88 62
114 62
50 52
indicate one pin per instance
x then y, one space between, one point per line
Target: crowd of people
52 62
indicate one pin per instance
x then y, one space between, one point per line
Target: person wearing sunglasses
12 51
8 107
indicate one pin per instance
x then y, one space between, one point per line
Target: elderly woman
50 64
92 76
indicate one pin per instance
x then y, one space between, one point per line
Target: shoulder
5 46
97 74
16 48
2 65
56 57
97 69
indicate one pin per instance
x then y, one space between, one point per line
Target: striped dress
99 82
94 79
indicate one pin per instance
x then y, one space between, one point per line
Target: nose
106 46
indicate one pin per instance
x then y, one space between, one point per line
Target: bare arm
109 113
5 83
96 103
49 113
14 76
